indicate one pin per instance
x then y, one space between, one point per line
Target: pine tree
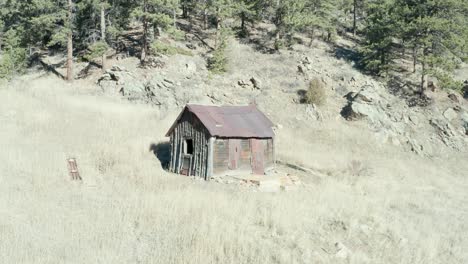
320 15
380 31
358 7
103 7
220 10
152 14
289 17
12 57
246 10
438 30
188 7
91 28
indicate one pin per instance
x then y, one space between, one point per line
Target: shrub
13 59
218 62
159 47
446 81
176 34
96 50
316 93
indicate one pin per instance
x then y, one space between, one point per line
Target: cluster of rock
252 83
158 87
153 62
396 122
272 182
157 90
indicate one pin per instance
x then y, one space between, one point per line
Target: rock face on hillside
421 126
169 87
417 128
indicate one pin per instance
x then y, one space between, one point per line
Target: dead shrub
316 93
357 168
105 161
354 171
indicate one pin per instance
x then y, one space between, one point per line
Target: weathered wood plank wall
221 155
190 127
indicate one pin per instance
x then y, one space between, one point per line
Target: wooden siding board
210 157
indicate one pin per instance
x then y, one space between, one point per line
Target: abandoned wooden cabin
221 140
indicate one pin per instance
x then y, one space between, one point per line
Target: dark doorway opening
188 147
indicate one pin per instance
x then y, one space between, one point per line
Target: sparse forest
431 33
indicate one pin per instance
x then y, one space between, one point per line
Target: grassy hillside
367 202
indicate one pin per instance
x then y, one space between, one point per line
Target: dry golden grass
128 210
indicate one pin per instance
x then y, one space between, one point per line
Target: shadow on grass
162 151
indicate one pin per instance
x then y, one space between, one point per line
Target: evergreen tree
380 31
152 14
188 6
92 28
246 10
321 15
220 10
437 29
289 17
12 57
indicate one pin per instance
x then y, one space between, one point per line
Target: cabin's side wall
269 148
221 155
190 127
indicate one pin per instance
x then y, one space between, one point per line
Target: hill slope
370 198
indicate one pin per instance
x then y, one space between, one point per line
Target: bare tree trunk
70 43
278 22
185 11
415 58
423 71
103 35
312 36
354 16
205 19
243 23
205 15
144 46
218 21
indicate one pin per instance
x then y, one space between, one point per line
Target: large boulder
450 114
365 103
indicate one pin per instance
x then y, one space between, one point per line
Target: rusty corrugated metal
231 121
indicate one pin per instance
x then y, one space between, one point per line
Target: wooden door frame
234 142
257 148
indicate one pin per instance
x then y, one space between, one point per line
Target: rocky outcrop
465 123
450 114
365 104
158 91
252 83
399 124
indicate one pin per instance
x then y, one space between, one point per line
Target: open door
258 160
186 165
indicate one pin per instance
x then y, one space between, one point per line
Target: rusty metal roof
231 121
